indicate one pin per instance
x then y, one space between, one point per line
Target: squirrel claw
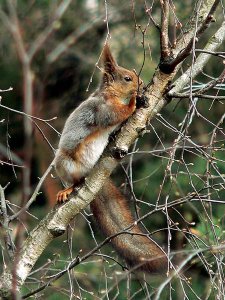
63 195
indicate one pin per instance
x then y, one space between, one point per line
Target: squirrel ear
108 60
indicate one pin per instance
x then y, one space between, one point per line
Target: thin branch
164 35
34 195
46 121
75 262
201 60
148 11
200 93
15 159
181 266
6 90
187 96
212 84
218 54
55 223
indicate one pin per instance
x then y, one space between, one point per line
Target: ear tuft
108 60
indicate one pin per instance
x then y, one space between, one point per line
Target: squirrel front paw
119 153
142 101
63 195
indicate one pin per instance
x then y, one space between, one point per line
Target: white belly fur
69 169
93 150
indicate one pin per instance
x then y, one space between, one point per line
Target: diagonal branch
213 44
201 92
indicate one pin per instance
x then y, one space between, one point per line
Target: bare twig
200 93
219 54
197 95
164 35
169 66
148 11
34 195
201 60
181 266
46 121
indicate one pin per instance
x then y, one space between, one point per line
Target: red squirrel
84 137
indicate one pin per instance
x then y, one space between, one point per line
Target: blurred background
50 56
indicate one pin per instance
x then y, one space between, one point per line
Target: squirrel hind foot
63 195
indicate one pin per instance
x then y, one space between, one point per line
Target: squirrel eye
128 78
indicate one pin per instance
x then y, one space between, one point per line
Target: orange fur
121 110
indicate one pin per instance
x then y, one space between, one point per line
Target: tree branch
213 44
169 64
164 35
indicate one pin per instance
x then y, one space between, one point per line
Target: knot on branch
141 131
142 101
56 230
167 65
119 153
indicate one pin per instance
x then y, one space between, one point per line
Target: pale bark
214 43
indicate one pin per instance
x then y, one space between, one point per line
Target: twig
55 223
212 84
149 12
164 37
34 195
200 93
6 90
201 60
46 121
219 54
16 160
182 264
187 96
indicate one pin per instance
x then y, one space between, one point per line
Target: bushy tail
113 215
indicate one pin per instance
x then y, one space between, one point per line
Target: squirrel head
122 82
